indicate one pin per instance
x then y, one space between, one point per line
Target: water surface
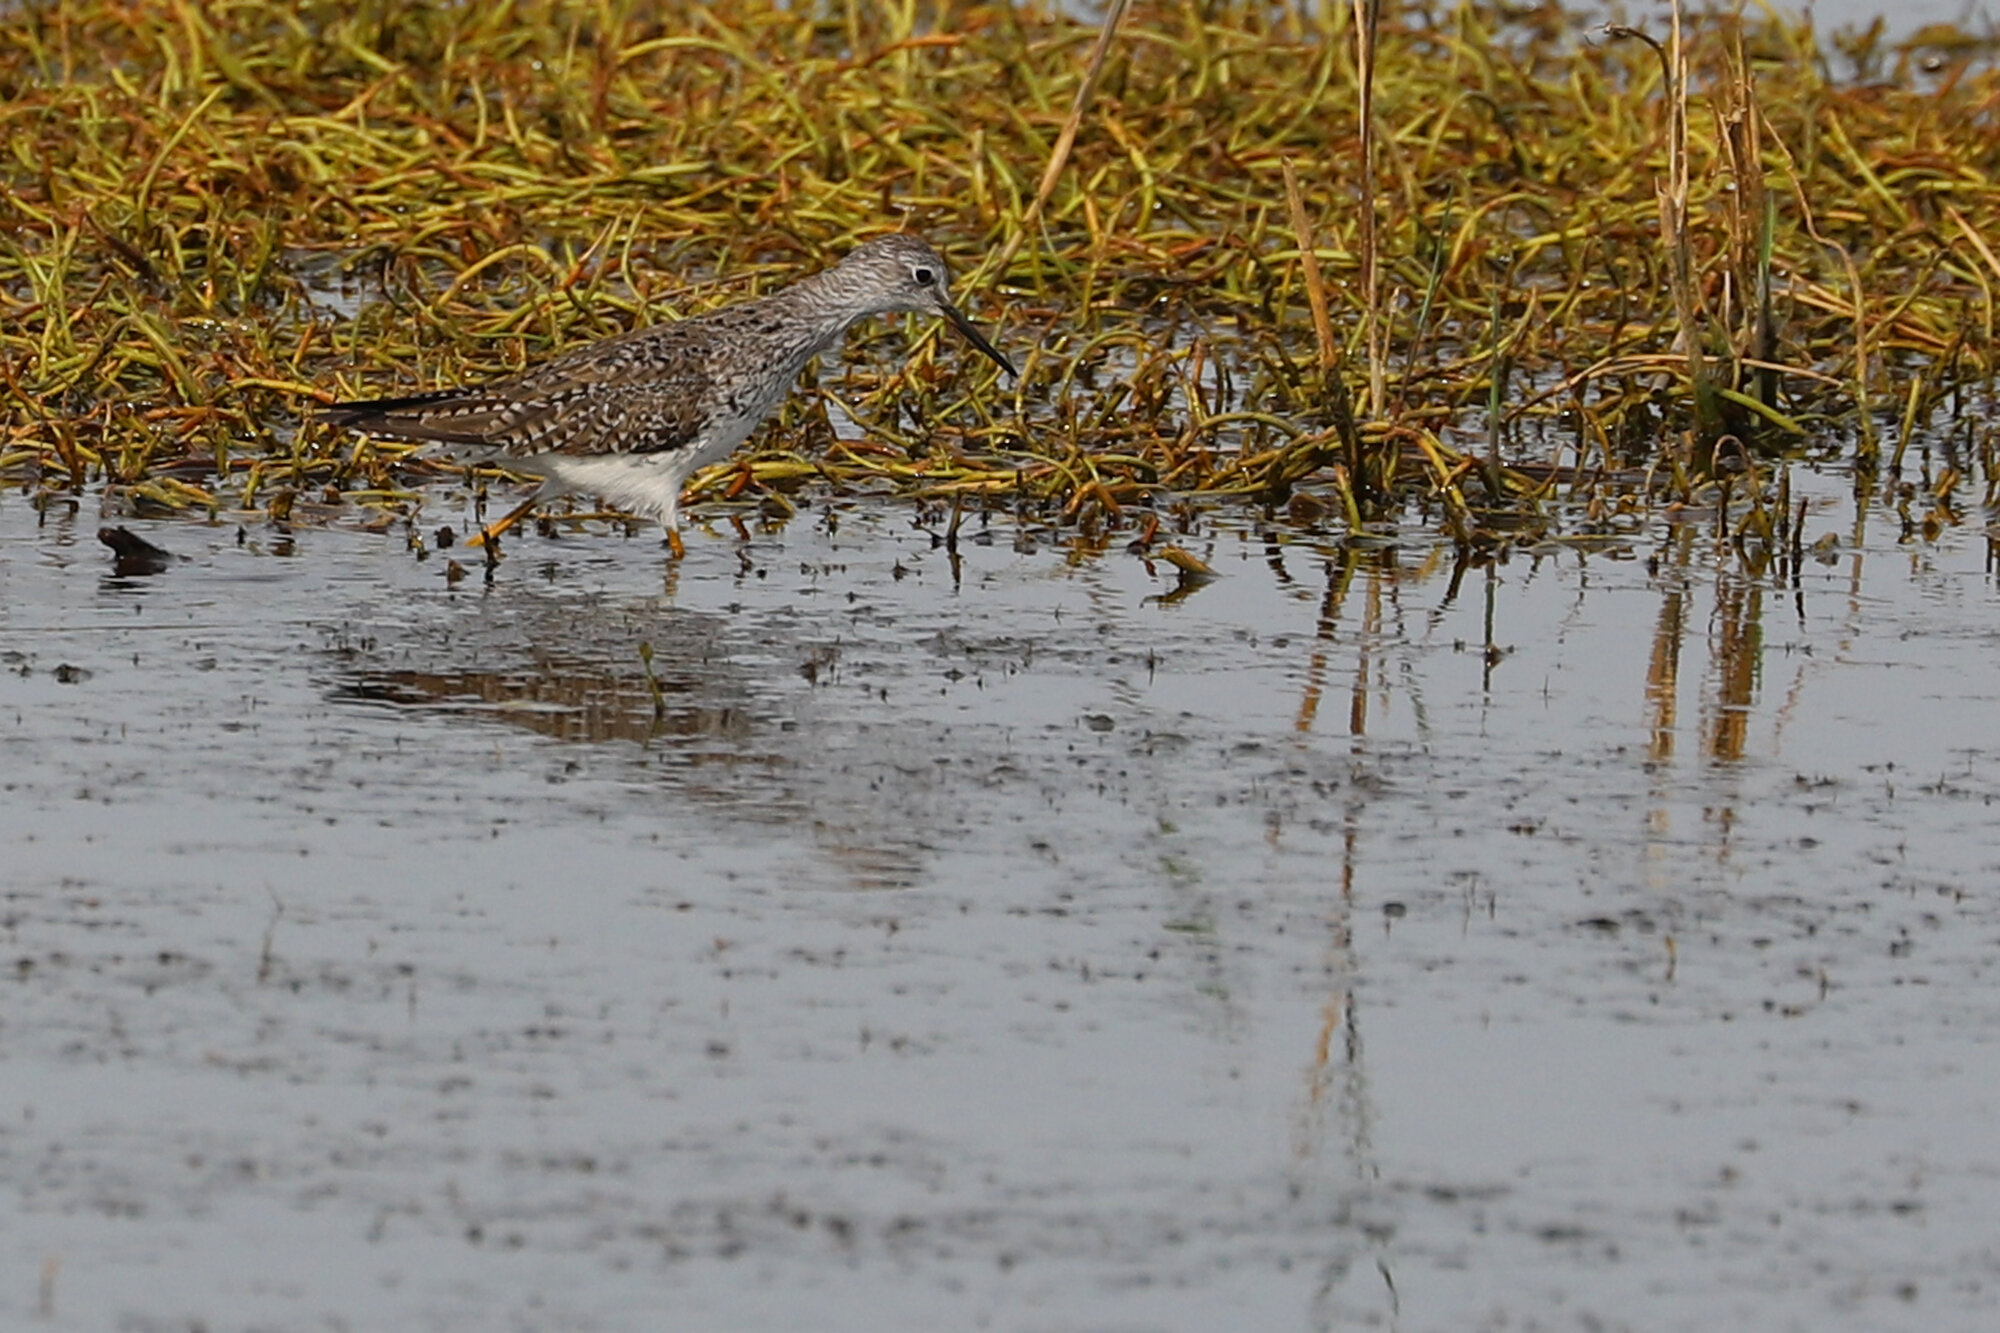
1600 937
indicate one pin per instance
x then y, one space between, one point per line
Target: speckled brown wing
640 392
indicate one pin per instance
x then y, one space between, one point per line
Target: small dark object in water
133 554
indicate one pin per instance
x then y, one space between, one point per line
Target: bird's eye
925 277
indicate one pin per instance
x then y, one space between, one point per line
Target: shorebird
630 418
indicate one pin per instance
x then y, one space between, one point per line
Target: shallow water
1600 939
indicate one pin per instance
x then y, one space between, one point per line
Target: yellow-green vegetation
1559 256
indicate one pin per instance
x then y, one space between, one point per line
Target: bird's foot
491 533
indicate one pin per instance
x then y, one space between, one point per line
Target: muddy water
1604 938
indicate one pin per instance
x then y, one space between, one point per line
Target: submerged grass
1479 259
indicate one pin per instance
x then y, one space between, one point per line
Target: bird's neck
821 309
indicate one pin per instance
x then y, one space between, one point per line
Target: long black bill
974 336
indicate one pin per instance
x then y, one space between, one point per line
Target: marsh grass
1480 261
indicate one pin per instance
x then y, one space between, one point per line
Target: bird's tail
417 416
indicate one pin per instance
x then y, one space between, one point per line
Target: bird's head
901 272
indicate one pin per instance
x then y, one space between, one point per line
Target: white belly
647 484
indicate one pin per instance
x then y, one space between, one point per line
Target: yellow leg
676 545
493 530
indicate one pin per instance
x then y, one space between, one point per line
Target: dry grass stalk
1114 12
1375 331
1329 349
